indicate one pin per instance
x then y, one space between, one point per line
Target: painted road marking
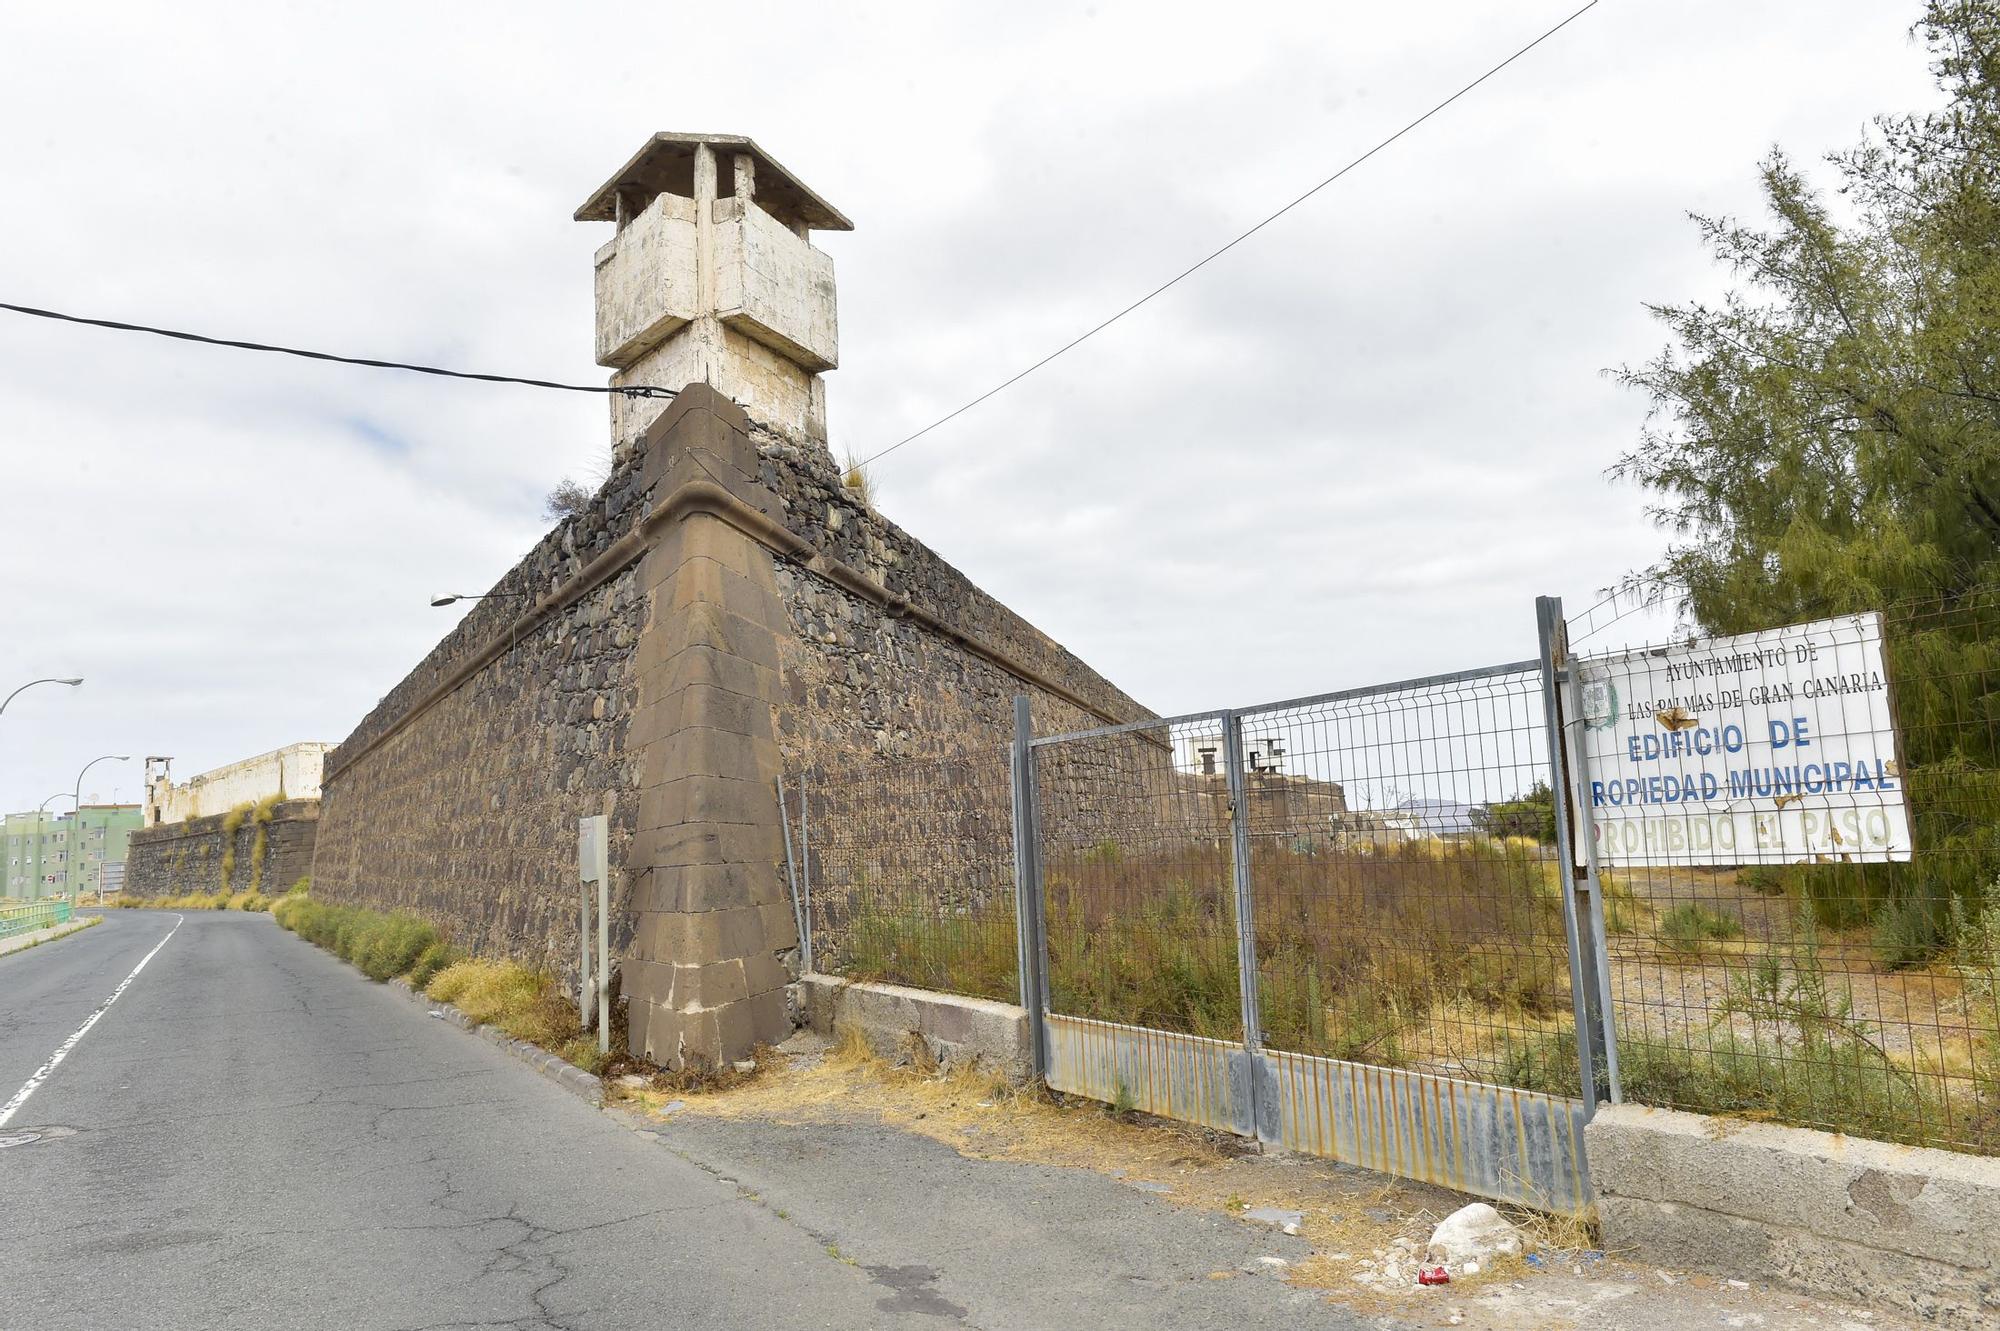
47 1069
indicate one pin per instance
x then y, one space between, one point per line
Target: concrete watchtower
712 278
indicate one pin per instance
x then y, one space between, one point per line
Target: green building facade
48 855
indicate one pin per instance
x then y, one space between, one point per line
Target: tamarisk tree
1826 439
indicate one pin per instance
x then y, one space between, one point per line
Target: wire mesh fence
1137 880
908 871
1820 947
1808 977
1409 907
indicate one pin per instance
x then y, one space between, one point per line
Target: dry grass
527 1004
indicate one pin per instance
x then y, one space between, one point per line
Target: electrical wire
1207 259
639 391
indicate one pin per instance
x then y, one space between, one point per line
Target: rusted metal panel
1491 1141
1184 1077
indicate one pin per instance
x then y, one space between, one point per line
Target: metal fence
903 871
1396 926
24 917
1803 984
1335 923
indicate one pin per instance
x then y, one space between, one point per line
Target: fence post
1246 913
1607 1012
1030 924
1581 927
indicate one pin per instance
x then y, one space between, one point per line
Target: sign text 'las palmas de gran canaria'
1766 748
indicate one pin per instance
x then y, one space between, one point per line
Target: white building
1201 752
291 773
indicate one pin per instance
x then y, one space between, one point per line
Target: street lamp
447 598
76 847
31 683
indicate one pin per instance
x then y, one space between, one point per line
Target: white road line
47 1069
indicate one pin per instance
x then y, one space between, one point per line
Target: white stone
1475 1233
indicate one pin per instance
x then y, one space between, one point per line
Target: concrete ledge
1911 1229
954 1028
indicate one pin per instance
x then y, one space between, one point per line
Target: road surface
253 1136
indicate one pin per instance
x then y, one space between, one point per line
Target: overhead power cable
634 391
1209 258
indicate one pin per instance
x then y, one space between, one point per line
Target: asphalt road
255 1136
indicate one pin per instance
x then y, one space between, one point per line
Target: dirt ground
1367 1232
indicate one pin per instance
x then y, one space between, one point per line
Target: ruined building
723 607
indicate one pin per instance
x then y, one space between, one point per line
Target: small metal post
805 880
792 871
603 953
1246 911
1584 982
583 953
1030 932
593 866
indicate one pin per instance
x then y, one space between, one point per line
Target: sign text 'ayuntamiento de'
1767 748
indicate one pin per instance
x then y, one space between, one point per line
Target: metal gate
1350 925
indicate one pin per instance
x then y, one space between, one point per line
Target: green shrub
429 962
1686 929
389 946
1911 928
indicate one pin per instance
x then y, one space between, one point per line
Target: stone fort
723 609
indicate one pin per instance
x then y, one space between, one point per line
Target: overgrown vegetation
1354 948
527 1004
246 900
1687 929
1826 440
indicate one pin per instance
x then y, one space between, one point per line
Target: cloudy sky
1354 449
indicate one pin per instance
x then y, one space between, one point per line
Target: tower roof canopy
666 166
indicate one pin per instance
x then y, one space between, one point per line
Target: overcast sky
1354 449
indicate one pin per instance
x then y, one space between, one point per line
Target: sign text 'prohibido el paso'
1766 748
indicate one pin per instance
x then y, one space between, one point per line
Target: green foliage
1912 927
1826 440
1533 815
382 945
430 961
1685 930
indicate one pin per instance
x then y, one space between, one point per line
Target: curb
22 942
586 1086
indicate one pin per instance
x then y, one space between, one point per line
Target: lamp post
42 832
447 598
76 848
31 683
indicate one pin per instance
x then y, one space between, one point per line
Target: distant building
1201 753
290 773
1447 819
50 855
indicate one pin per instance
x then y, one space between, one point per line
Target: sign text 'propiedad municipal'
1767 748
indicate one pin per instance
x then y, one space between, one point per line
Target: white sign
1767 748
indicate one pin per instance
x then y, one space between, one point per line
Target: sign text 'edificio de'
1767 748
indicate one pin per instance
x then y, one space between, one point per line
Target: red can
1433 1275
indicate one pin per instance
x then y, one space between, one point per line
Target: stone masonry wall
865 680
272 852
723 610
461 805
